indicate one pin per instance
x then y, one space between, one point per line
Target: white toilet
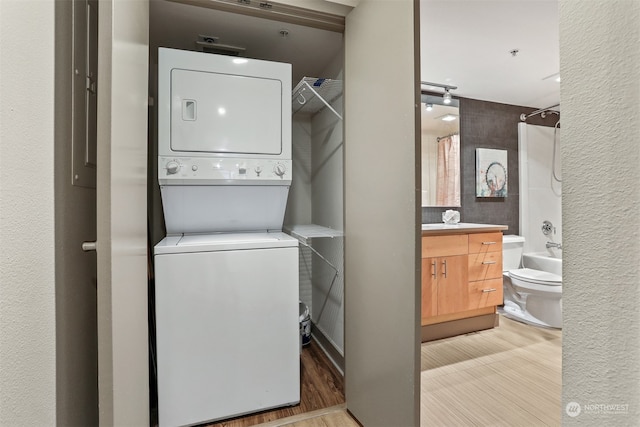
531 296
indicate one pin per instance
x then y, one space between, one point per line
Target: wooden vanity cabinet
444 275
461 282
485 270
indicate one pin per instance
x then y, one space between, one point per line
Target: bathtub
544 261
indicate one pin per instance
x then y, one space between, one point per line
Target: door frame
123 361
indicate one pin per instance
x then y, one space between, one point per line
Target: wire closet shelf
312 94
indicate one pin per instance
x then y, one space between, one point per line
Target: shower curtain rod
446 136
541 111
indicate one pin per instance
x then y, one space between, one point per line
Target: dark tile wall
489 125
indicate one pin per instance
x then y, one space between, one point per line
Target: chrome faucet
554 245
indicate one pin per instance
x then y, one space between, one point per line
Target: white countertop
462 227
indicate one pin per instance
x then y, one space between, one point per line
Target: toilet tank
512 247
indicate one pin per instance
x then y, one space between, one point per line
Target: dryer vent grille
209 44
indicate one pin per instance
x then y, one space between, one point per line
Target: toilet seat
536 277
536 281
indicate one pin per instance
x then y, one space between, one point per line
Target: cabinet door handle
489 290
488 262
488 243
433 265
444 268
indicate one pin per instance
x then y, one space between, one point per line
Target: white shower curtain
448 171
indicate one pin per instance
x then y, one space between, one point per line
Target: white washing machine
226 277
225 305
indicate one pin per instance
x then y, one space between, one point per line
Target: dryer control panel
223 171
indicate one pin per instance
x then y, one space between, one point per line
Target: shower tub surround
540 192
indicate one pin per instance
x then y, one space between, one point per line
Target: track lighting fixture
447 96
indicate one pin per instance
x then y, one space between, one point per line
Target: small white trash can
305 325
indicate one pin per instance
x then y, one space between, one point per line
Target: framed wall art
491 172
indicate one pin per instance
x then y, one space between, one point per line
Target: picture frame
491 172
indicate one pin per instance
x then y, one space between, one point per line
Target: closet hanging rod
446 136
304 86
541 111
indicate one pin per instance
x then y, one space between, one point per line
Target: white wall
299 201
540 193
600 68
316 197
27 285
328 211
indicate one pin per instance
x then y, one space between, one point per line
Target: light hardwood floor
335 416
322 386
506 376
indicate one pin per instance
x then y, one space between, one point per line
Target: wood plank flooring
335 416
506 376
322 386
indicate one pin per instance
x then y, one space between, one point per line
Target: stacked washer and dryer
226 277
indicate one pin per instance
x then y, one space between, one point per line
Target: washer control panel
174 170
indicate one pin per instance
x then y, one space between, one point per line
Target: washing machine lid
190 243
536 276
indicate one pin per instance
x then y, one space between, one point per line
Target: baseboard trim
458 327
329 349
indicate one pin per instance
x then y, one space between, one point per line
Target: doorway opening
313 44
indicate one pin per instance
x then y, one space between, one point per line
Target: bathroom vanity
461 278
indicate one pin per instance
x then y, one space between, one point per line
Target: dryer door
222 113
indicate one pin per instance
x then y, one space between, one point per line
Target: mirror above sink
440 152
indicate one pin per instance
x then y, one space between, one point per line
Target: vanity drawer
484 266
485 242
485 293
436 246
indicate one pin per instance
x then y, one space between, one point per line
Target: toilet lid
536 276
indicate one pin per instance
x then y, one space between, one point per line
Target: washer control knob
280 170
172 167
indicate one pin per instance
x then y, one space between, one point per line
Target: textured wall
600 63
27 311
489 125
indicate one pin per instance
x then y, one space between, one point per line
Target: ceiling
468 44
464 43
309 50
